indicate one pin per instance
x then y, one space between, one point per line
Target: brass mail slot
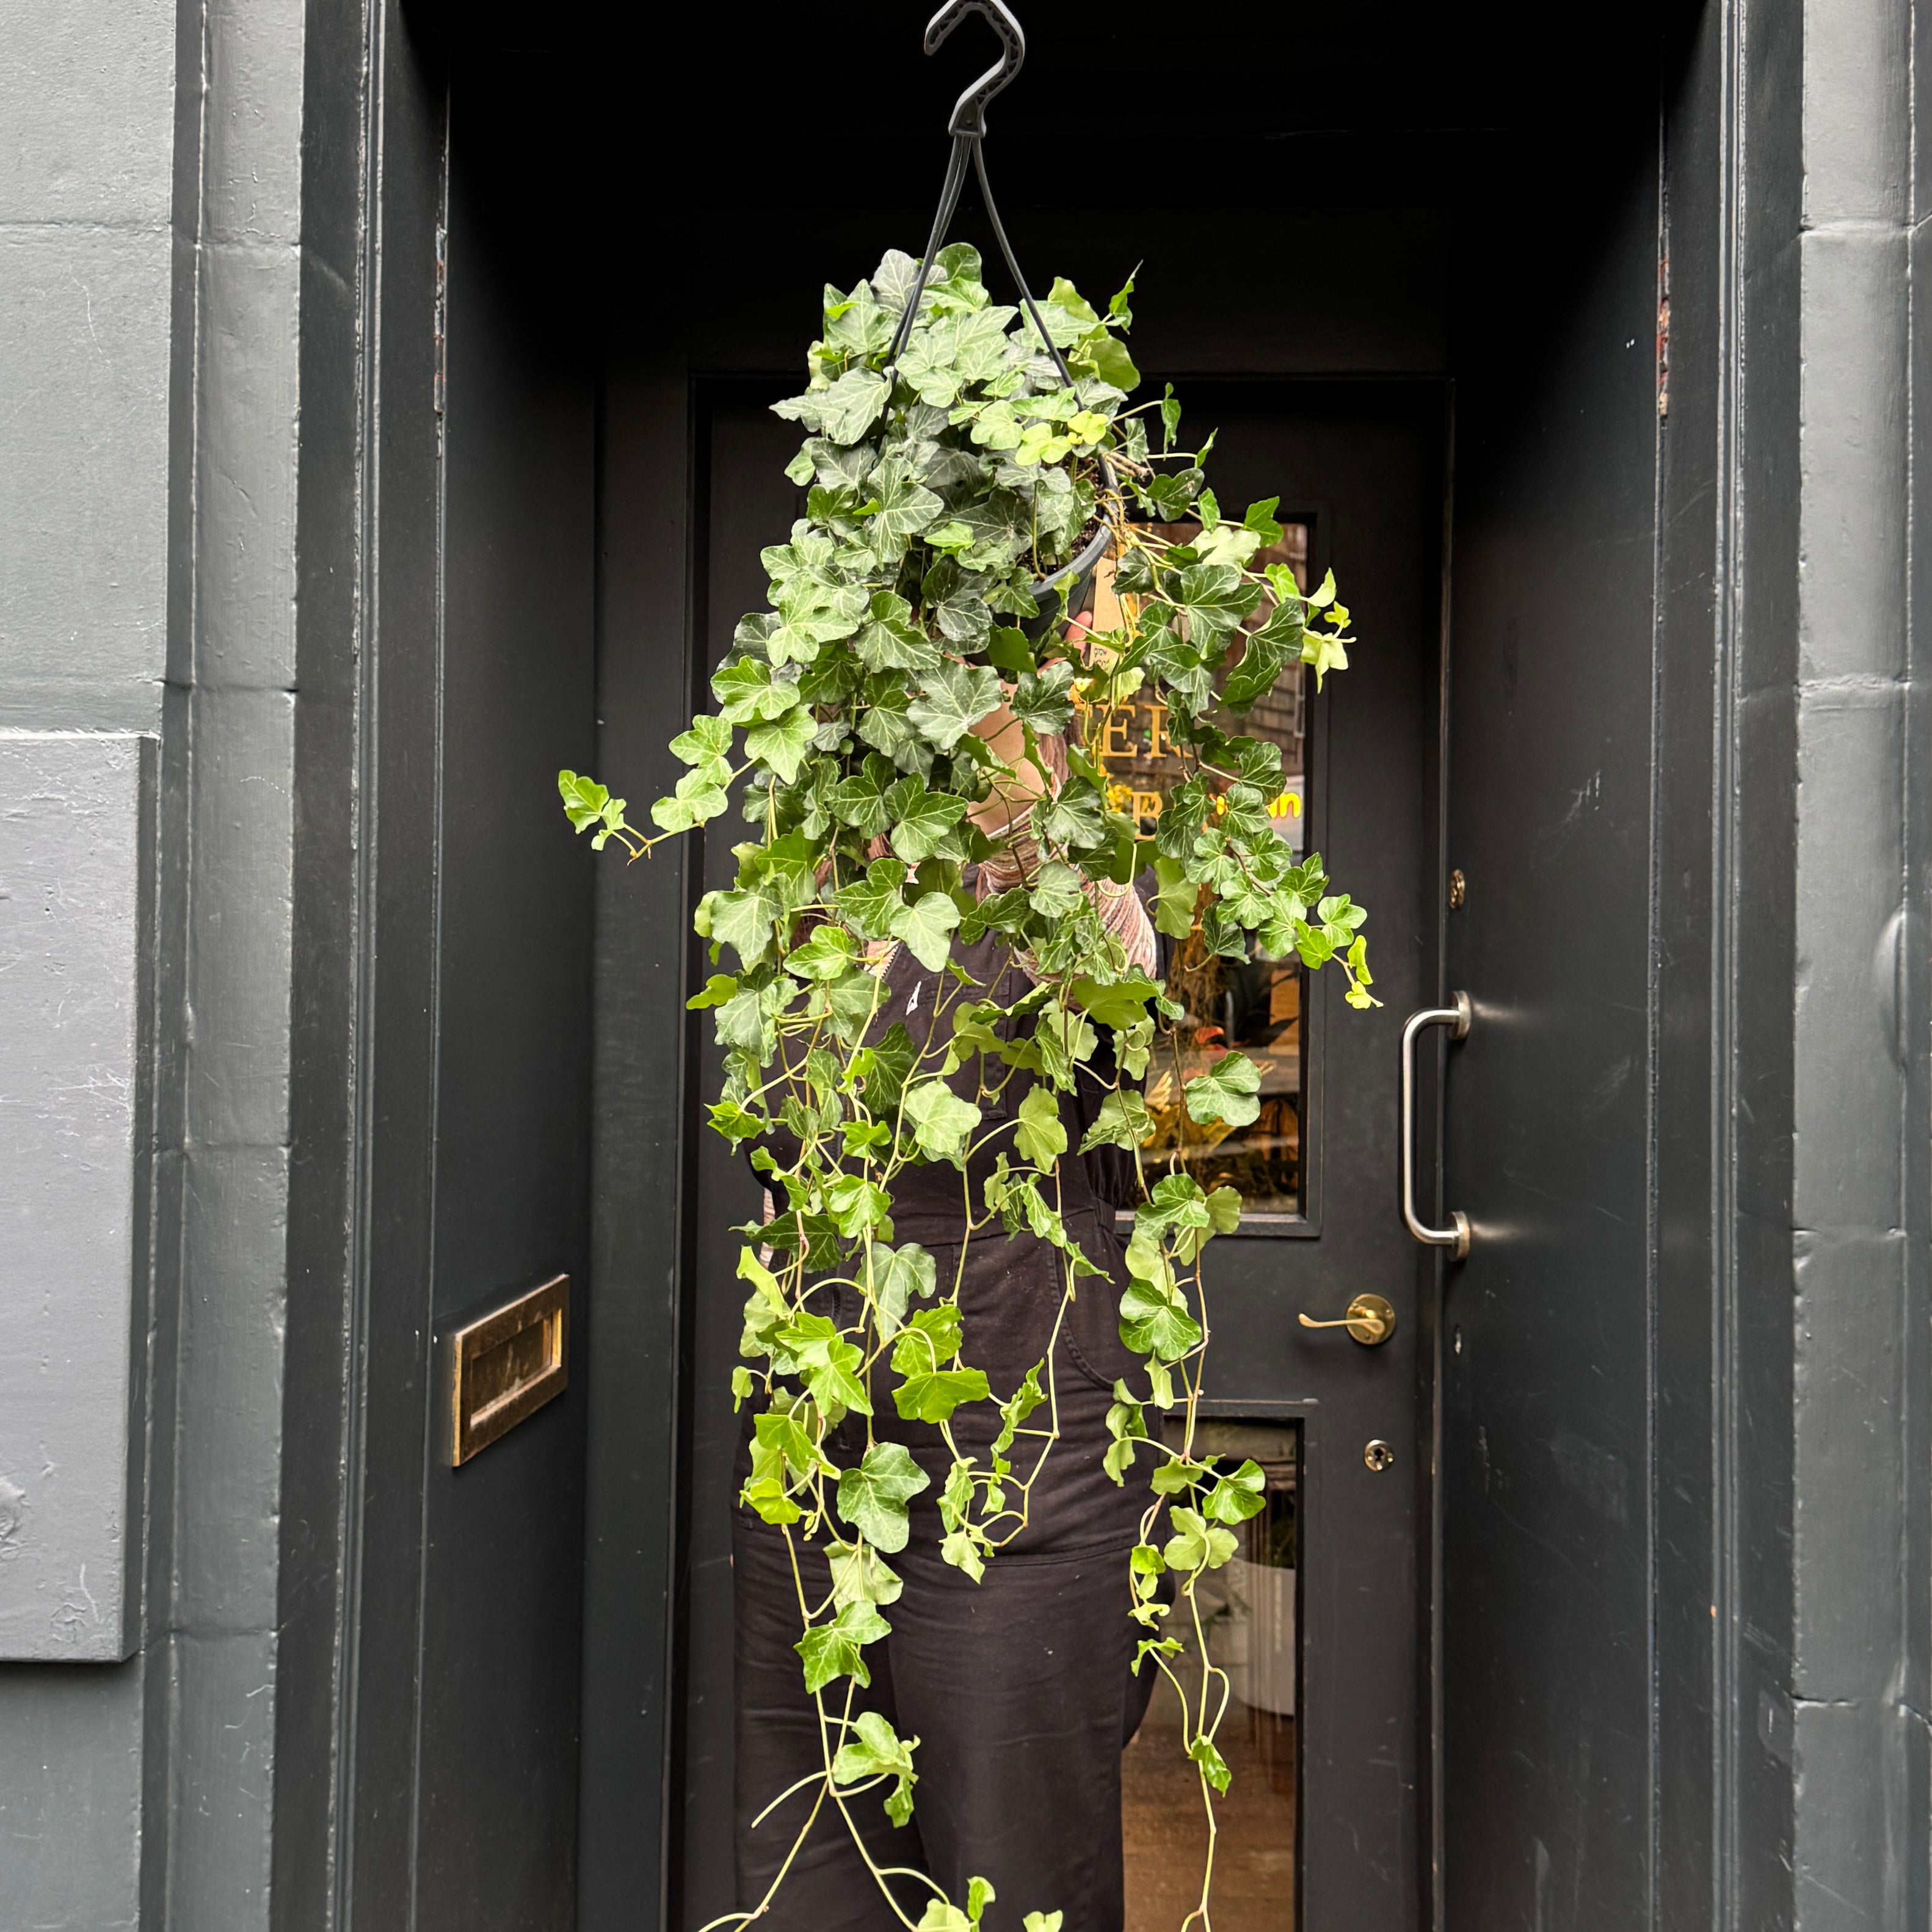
506 1366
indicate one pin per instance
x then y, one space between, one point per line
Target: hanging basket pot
1076 574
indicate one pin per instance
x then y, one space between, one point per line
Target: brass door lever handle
1369 1321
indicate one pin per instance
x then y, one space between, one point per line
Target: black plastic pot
1081 591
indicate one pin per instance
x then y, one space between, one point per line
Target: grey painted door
502 1559
1359 467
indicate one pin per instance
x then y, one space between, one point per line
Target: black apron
1019 1687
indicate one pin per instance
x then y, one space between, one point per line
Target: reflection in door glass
1253 1005
1248 1612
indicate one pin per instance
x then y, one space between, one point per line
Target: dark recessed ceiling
1213 102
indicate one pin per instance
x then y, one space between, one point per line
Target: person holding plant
951 1602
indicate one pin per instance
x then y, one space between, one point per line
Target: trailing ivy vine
903 616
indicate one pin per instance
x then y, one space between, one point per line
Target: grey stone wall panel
1852 533
1848 1865
84 347
244 750
1857 131
70 1797
75 886
1848 1087
254 135
245 467
232 1314
1850 1478
87 111
220 1857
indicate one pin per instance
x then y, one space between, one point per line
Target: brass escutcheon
1370 1320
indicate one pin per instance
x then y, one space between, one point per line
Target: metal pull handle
1369 1321
1457 1017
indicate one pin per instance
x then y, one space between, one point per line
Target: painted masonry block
75 896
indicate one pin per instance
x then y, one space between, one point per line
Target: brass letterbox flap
506 1365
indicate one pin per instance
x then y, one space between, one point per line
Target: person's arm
1006 814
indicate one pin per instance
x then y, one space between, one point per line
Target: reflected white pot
1253 1641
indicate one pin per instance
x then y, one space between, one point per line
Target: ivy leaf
814 614
905 508
1151 1324
708 739
1017 1406
963 615
1106 355
887 728
894 279
932 1395
699 797
868 905
856 1205
782 743
1044 700
926 925
860 1575
1123 1122
1039 1134
872 1498
999 912
1118 1005
878 1752
956 697
584 799
743 919
1181 819
884 1067
1197 1544
891 641
779 1447
941 1121
1214 1766
1008 649
860 801
1326 653
828 1363
897 1274
746 694
1175 899
934 1336
921 820
1260 519
960 1550
1237 1495
1226 1092
1056 890
843 412
1254 676
827 955
1076 819
719 988
832 1651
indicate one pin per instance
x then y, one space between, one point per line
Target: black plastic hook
969 113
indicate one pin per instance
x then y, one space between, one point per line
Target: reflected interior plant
943 489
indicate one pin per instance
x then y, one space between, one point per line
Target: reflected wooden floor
1165 1828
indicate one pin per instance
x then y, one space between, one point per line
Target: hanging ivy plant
902 713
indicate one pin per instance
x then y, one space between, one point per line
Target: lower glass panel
1248 1612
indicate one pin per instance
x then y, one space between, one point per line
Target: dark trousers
1020 1691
